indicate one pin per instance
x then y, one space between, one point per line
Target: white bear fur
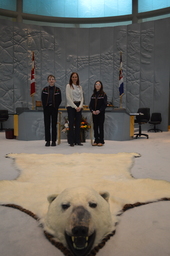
58 221
44 175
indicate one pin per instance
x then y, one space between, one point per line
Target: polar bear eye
92 205
65 206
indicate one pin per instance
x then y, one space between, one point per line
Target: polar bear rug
86 195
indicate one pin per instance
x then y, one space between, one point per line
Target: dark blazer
98 102
56 97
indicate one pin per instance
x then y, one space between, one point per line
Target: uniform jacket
56 97
98 102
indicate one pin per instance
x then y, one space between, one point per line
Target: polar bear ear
105 195
51 198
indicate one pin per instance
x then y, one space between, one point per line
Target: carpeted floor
142 231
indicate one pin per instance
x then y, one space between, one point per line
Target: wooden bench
38 104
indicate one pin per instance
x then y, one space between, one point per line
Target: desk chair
156 118
3 117
142 118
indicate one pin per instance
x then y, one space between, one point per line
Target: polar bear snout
80 217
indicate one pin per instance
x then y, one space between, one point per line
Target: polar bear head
79 218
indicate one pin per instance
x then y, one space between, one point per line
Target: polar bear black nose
80 231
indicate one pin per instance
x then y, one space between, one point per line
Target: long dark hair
101 89
70 81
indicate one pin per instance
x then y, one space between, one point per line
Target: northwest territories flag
121 85
32 85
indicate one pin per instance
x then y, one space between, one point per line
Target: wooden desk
116 127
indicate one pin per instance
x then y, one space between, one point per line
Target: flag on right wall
121 85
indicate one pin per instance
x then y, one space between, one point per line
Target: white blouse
74 95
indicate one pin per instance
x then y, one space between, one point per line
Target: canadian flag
32 85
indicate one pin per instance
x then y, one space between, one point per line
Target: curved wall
94 54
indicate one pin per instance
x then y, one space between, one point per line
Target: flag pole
120 102
32 86
121 84
33 102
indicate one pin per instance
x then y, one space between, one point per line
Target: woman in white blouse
74 96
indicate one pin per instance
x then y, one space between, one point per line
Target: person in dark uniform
51 99
97 106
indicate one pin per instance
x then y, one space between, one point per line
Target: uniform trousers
74 119
98 126
50 117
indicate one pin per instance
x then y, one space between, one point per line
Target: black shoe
72 145
47 144
79 144
53 144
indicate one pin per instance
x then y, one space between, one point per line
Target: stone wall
94 54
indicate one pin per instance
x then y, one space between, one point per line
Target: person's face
51 81
74 78
98 86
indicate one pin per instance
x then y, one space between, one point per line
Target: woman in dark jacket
98 104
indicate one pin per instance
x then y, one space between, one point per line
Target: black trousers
98 126
74 119
50 117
